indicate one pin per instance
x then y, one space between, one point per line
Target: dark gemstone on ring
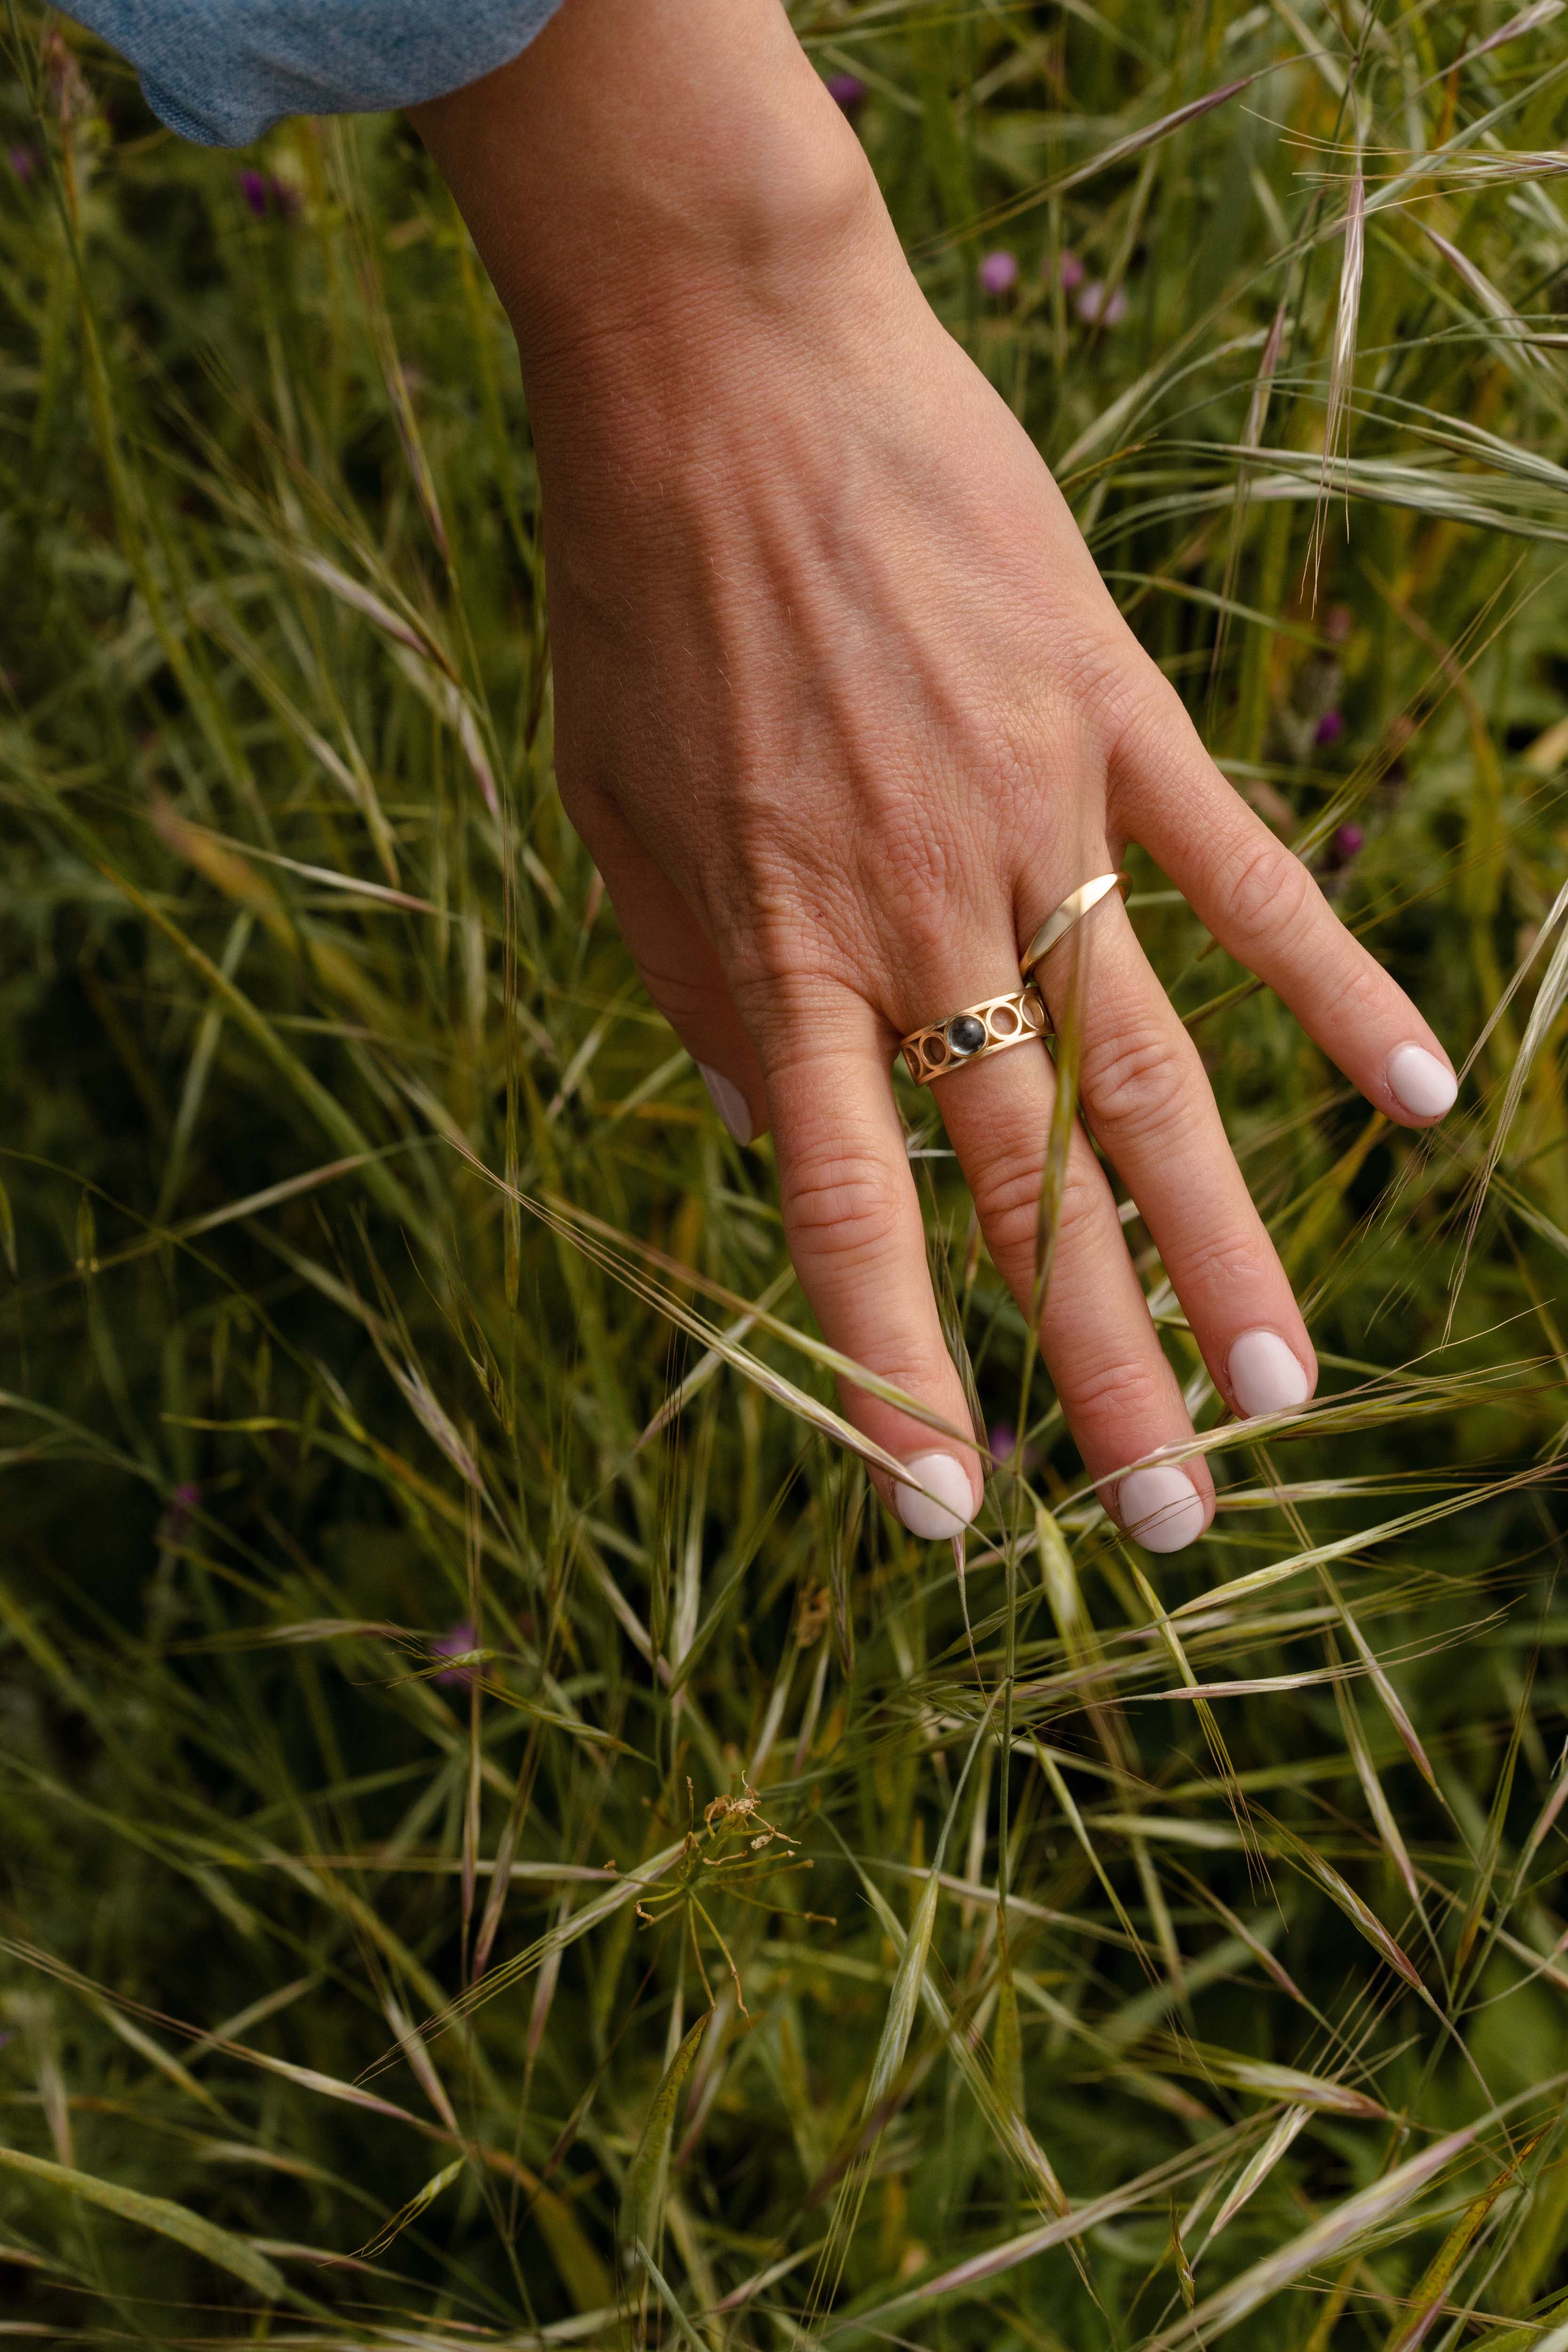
966 1033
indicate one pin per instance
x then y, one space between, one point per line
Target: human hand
844 710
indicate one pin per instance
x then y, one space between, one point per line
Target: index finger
1265 907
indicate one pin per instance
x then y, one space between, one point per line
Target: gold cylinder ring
975 1033
1073 909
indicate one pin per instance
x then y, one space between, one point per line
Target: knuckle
1134 705
1232 1264
785 1006
1140 713
1086 1206
1357 995
1133 1081
777 942
841 1205
1007 1202
1008 1198
1129 1389
920 887
683 997
1266 890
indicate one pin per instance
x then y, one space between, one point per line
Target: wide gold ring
1073 909
974 1032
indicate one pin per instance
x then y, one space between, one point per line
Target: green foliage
502 1842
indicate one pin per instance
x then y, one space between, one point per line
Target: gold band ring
1073 909
974 1033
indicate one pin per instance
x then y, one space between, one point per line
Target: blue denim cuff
223 71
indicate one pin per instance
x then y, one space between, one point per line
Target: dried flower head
68 84
726 1817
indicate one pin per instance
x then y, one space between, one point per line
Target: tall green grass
503 1843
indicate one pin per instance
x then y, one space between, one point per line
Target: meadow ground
501 1844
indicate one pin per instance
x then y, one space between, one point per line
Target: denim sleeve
223 71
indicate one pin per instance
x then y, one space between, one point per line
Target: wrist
646 177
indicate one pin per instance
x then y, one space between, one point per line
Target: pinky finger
682 974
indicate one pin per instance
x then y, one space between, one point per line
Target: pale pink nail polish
1420 1083
1160 1508
1265 1374
728 1101
946 1506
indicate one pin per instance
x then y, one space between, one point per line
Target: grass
501 1844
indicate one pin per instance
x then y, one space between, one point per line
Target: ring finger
1118 1390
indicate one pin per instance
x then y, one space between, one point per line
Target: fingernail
1420 1083
1160 1508
728 1101
948 1504
1265 1374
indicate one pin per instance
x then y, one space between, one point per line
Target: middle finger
1120 1394
1147 1097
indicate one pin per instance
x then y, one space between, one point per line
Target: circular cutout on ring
973 1033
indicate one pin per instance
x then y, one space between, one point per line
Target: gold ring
1074 906
975 1032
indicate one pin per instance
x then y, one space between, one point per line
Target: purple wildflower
1330 728
177 1518
1070 272
23 163
264 194
1347 843
1003 1442
456 1643
1101 307
999 271
845 90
